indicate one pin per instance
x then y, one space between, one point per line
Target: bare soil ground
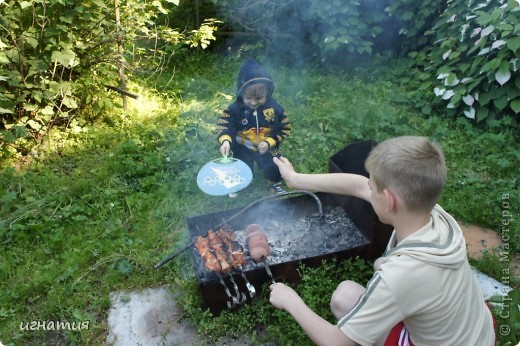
480 240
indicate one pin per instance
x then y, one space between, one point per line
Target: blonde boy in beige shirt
424 278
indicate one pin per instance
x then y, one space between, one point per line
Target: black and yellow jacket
240 124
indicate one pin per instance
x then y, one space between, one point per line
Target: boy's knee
345 297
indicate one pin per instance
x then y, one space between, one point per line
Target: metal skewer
234 301
250 287
241 298
267 269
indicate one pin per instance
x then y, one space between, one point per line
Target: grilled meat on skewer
237 259
210 260
220 252
215 249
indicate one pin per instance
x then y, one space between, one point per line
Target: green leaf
68 19
37 95
407 15
426 110
470 113
454 55
505 27
9 137
503 74
159 7
48 110
444 69
515 105
484 99
70 102
31 41
513 44
500 103
34 125
4 59
25 4
99 3
490 66
482 114
483 19
469 100
65 57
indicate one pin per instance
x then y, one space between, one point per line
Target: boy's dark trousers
264 162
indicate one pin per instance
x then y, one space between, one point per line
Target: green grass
91 212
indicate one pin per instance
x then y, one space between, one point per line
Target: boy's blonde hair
256 90
411 166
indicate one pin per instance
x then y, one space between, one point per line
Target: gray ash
308 236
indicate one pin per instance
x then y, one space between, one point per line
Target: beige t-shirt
425 281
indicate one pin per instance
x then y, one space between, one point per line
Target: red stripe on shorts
398 336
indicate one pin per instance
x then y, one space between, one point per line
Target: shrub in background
415 18
57 56
471 66
331 31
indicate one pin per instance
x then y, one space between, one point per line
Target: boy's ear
390 199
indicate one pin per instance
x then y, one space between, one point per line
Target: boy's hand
282 296
225 148
286 168
263 147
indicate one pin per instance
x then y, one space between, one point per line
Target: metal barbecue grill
297 231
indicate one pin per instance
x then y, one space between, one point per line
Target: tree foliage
326 30
470 68
57 56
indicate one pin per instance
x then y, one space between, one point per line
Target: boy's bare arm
338 183
318 329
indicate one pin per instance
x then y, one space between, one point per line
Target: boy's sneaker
276 187
233 195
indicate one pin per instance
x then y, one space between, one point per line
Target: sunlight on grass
148 105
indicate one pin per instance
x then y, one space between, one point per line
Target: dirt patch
480 240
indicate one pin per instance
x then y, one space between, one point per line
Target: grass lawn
92 211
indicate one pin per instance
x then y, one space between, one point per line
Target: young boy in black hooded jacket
254 126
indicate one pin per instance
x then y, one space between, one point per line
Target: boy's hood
440 243
250 73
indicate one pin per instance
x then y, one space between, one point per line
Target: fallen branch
122 91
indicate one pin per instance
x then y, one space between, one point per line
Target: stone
147 317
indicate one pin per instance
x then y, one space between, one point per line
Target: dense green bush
471 66
416 17
57 56
324 31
